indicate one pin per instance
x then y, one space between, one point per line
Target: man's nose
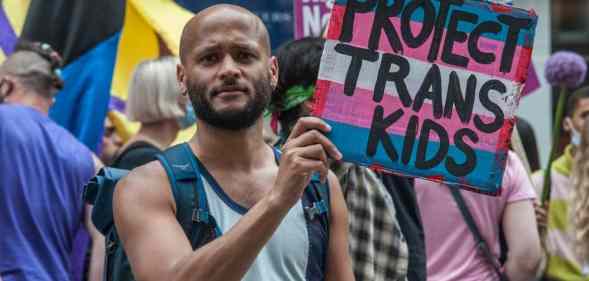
229 68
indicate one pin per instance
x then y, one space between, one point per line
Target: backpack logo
181 167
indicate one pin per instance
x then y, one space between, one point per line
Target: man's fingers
314 152
309 166
306 160
308 123
541 215
540 210
314 137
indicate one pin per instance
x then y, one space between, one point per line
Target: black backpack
192 209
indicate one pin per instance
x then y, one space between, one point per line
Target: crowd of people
234 204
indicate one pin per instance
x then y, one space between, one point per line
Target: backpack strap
99 193
192 210
319 194
482 245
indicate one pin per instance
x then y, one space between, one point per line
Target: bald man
253 193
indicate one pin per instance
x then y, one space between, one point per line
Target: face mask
189 118
575 137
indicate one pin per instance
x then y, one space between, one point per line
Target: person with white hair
154 101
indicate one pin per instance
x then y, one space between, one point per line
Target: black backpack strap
191 206
482 245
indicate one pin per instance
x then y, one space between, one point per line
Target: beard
233 120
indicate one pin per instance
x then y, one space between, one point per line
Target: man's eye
244 56
208 59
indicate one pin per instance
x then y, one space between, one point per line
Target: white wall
536 107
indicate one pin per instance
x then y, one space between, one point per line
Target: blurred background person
452 249
563 262
580 200
111 141
384 245
156 102
529 143
44 172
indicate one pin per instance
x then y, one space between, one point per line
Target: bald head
32 71
24 63
223 18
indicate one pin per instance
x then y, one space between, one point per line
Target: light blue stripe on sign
352 142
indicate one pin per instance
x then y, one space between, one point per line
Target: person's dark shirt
528 138
137 154
409 217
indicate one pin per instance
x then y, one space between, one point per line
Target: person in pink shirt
452 253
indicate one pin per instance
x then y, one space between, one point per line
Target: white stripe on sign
334 67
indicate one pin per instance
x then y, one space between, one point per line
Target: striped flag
86 33
12 16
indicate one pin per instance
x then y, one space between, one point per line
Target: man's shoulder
148 182
68 146
146 174
14 118
13 109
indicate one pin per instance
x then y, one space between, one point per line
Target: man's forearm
96 267
229 257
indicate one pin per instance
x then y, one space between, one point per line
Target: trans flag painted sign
425 88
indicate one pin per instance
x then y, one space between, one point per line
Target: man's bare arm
519 226
96 267
339 263
156 244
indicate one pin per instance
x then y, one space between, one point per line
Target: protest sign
311 17
425 88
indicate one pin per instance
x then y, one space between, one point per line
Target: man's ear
273 72
567 124
181 76
6 87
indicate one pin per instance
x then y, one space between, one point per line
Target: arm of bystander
96 266
339 263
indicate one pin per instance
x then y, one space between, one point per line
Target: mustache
229 88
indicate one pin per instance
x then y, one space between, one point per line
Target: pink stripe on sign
363 21
358 111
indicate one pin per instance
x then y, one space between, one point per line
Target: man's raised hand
306 151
